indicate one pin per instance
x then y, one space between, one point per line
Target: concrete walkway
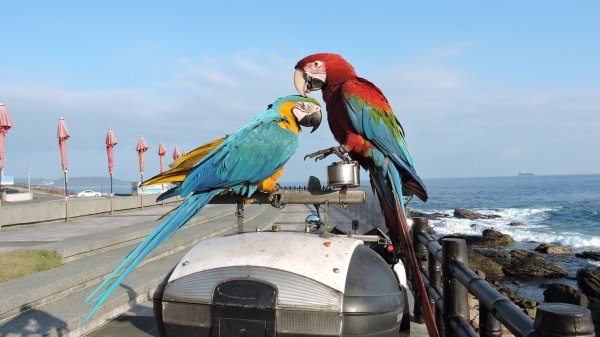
32 236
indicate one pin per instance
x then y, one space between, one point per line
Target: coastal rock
479 263
517 223
531 265
491 233
494 253
490 238
589 255
462 213
428 216
527 305
502 257
588 280
562 293
549 248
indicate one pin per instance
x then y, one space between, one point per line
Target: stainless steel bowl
342 174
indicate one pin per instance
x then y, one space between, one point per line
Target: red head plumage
333 66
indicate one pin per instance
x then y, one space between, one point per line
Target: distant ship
526 174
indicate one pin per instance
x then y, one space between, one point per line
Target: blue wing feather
368 122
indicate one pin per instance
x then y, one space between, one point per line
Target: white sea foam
535 229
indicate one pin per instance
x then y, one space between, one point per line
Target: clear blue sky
481 88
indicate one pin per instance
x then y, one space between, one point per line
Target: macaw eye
317 63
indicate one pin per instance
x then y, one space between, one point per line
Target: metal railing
449 279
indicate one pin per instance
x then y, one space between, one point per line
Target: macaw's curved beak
312 119
306 83
300 82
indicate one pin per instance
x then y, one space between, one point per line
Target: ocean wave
525 215
573 240
535 229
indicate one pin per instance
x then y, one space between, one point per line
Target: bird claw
277 198
339 151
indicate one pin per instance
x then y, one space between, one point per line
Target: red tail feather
396 222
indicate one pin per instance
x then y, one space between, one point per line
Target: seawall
32 212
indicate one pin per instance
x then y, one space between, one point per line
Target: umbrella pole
141 190
1 198
111 194
66 197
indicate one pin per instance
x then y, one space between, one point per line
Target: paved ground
30 236
139 322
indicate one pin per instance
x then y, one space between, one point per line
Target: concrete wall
32 212
13 197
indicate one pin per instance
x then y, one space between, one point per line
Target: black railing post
562 319
456 301
419 227
435 281
489 326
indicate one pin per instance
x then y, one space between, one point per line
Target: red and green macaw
363 122
238 164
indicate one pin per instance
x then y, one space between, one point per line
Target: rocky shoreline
491 256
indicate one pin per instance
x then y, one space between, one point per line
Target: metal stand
240 215
0 198
66 198
111 194
326 233
140 190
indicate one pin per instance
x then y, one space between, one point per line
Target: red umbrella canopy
141 147
63 135
162 151
5 125
176 153
111 141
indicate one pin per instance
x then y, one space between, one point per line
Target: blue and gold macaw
238 164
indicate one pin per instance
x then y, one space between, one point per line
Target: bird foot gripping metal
339 151
277 198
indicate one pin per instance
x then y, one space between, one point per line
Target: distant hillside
76 181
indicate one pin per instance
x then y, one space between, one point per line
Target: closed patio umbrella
63 135
111 141
5 125
141 148
176 153
162 151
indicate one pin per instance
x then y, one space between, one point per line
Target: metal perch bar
280 198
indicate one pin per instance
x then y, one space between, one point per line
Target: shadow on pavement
33 322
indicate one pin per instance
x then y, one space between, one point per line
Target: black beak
312 120
314 84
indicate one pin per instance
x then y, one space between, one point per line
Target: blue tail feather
172 223
168 194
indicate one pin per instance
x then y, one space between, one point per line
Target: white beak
300 82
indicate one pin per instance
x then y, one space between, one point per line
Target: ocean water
556 209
